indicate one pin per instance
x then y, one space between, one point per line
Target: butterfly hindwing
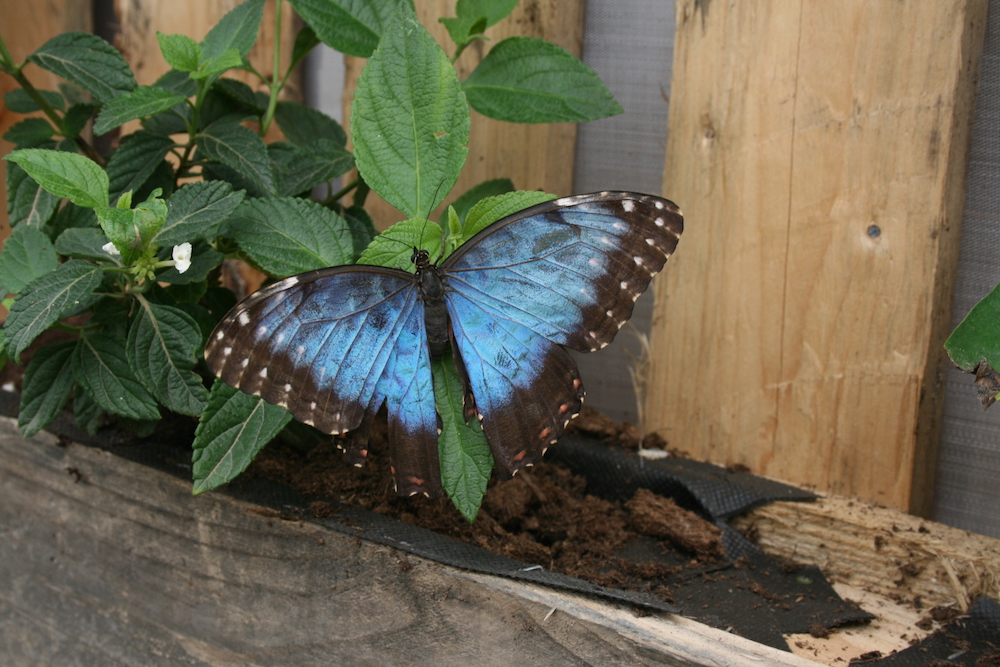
526 387
570 269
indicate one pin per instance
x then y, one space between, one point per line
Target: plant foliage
123 251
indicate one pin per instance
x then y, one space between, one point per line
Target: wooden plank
534 157
818 151
26 26
895 555
105 561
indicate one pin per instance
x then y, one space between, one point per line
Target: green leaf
101 366
28 203
303 125
162 342
362 228
394 247
196 211
27 254
464 30
491 209
77 118
530 80
29 133
226 60
473 195
70 216
298 170
88 61
86 411
242 94
19 101
493 10
977 338
141 102
136 160
233 428
466 461
236 30
79 179
305 42
44 300
180 51
83 243
287 235
352 27
241 149
410 120
48 381
178 83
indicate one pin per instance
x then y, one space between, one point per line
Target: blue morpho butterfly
333 345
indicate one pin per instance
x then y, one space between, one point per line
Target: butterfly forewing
570 269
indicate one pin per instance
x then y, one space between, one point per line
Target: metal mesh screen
630 45
967 487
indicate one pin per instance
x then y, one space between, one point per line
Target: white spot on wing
219 335
244 318
226 351
628 205
245 362
263 372
288 388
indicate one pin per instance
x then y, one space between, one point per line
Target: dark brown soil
543 516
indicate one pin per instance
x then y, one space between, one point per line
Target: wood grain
897 556
534 157
106 561
818 151
25 27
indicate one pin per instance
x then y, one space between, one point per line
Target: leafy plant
124 250
974 346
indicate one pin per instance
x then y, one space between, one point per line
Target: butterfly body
335 345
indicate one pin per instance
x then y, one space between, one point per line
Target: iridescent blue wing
332 346
566 272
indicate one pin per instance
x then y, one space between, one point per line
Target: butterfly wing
332 346
566 272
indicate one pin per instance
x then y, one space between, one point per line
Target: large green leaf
88 61
303 125
350 26
530 80
196 211
466 460
287 235
68 175
236 30
141 102
101 366
232 430
162 342
48 381
410 120
135 161
44 300
240 149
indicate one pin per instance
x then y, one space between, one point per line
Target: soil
544 515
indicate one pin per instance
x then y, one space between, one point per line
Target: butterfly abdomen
435 311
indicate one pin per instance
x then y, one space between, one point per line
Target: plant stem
276 81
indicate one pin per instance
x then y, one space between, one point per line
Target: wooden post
25 27
534 157
818 151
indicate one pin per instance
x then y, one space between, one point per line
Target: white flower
110 248
182 257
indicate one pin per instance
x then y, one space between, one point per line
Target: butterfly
335 345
